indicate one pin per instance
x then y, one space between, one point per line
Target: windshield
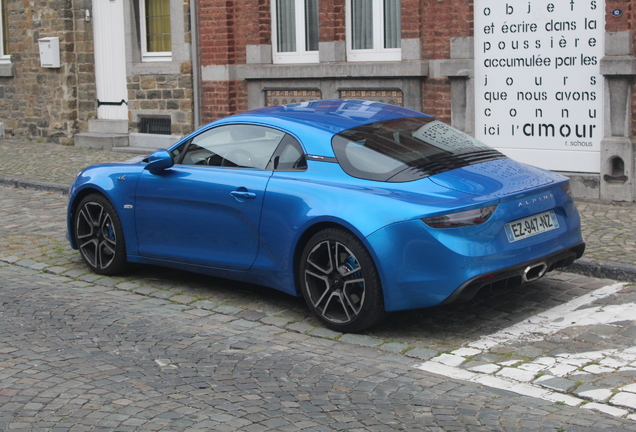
407 149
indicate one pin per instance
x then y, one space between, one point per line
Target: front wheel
340 283
99 235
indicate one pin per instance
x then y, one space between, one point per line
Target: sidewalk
608 229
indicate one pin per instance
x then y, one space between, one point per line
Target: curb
584 266
603 269
35 185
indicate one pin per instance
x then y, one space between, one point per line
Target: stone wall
163 95
46 103
626 22
53 104
161 88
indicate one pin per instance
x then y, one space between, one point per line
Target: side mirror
158 161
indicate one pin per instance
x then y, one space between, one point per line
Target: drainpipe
196 62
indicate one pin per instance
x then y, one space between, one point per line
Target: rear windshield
407 149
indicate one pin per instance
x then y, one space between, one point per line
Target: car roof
328 115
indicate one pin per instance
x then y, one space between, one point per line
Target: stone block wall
46 103
53 104
161 88
626 22
163 95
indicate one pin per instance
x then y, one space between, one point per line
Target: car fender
117 182
297 205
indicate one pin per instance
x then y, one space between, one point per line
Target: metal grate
393 97
284 97
154 125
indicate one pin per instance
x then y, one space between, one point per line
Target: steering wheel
237 157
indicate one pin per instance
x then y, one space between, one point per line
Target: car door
206 209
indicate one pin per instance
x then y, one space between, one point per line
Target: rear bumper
516 275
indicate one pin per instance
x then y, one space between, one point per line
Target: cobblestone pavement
588 363
77 356
52 163
609 231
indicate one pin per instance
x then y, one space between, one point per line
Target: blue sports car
362 208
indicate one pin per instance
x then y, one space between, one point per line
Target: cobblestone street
158 335
609 231
158 349
77 356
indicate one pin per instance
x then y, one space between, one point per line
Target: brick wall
436 98
411 19
442 20
48 104
222 98
623 23
332 20
226 28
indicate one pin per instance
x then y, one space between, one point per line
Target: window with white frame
155 31
295 31
374 30
5 53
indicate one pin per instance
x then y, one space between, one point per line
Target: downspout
196 62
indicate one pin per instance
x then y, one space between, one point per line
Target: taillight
461 219
568 190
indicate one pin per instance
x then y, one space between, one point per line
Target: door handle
238 194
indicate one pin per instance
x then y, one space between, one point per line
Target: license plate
531 226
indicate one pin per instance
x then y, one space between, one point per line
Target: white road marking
517 380
559 317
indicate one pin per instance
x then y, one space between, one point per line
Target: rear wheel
340 283
99 236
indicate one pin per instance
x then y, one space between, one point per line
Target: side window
289 156
236 146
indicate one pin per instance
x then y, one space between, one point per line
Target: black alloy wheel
340 283
99 235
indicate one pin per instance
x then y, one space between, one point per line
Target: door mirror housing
158 161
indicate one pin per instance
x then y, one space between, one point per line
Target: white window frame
4 58
301 55
162 56
378 52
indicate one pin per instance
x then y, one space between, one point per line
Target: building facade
112 78
444 58
547 82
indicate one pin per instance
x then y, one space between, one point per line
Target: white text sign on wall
538 90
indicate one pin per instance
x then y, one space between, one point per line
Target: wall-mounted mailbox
49 52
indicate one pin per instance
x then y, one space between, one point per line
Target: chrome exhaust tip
532 273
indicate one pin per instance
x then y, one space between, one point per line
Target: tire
340 282
99 235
